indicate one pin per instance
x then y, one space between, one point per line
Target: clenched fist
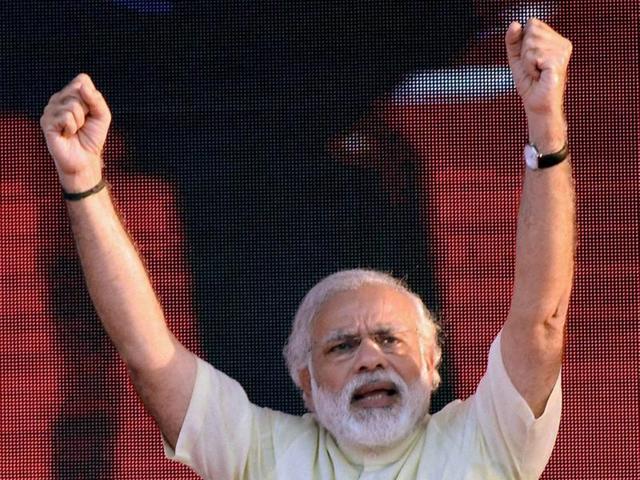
539 57
75 124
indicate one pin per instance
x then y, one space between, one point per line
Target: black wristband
74 197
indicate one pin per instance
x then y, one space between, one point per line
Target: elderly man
363 349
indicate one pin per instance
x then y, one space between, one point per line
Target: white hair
297 351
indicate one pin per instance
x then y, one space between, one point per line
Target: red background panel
61 378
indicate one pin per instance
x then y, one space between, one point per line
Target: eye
344 347
341 347
387 340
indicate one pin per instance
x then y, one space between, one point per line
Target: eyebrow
348 334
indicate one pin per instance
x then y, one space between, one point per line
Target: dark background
258 146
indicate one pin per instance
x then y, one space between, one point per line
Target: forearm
546 233
533 335
118 284
544 248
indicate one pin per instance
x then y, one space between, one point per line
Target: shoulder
496 425
224 434
451 427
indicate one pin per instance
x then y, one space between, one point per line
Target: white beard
372 429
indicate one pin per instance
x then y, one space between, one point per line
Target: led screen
259 146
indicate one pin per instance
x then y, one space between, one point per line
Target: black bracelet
74 197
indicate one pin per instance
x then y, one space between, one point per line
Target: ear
430 361
305 382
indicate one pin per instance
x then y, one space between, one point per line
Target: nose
370 357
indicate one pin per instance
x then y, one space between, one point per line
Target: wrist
548 131
80 182
77 196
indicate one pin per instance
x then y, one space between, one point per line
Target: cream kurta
491 435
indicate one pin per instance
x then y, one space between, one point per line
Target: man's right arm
75 123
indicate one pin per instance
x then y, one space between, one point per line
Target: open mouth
378 392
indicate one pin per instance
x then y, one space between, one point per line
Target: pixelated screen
257 147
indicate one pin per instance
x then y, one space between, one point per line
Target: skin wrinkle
368 318
344 334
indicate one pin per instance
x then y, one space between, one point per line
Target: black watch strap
551 159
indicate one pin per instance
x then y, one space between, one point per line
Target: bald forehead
370 305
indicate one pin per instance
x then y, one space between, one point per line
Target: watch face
531 156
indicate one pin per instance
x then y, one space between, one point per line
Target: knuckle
82 77
71 89
67 116
532 23
77 111
528 42
54 115
53 98
67 101
531 55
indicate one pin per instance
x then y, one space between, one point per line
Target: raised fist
538 57
75 124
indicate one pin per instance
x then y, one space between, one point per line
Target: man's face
368 374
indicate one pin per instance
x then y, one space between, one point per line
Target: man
363 348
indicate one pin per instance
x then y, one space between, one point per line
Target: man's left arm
533 335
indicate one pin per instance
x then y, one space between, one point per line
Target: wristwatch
536 161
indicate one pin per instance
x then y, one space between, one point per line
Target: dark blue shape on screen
147 6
